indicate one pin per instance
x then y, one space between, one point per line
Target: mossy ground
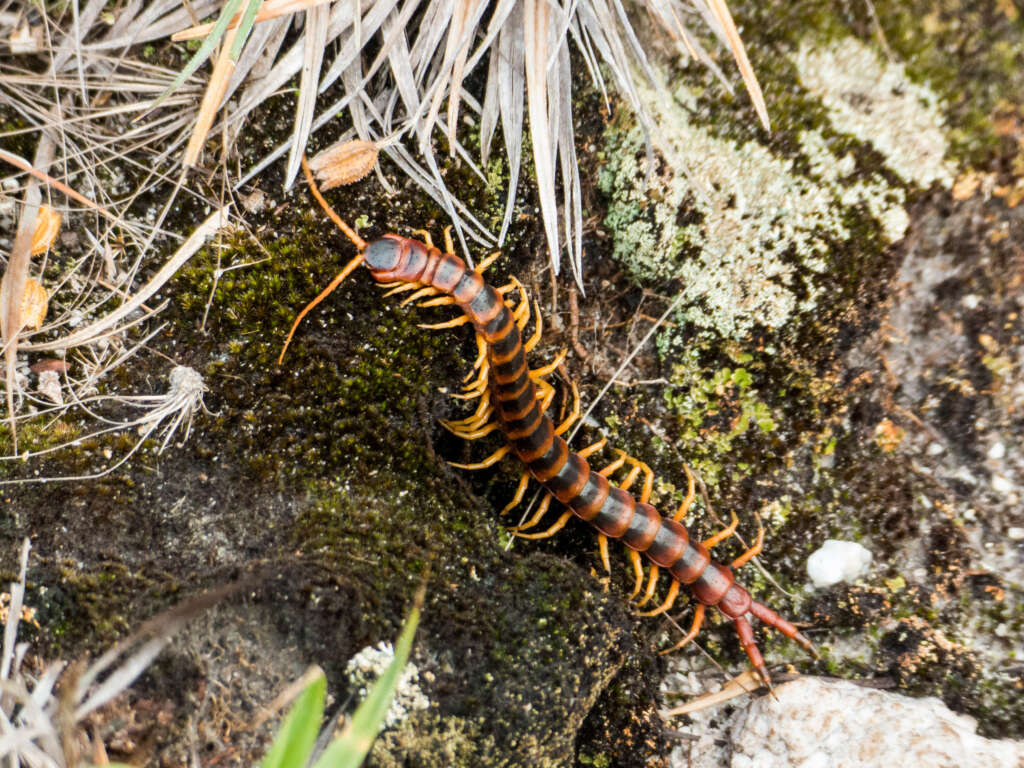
332 468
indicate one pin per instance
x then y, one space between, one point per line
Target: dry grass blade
313 57
746 682
536 24
212 99
146 641
12 287
271 9
739 52
186 251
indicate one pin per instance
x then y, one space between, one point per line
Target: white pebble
971 300
1015 533
1001 485
997 451
837 561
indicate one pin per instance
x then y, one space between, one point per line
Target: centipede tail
566 475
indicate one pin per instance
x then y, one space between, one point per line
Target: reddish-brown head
384 254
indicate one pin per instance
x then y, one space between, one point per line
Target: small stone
837 561
971 301
1016 533
1001 485
934 449
997 451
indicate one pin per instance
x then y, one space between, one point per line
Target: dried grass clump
411 83
80 207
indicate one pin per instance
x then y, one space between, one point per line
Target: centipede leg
690 493
651 583
698 619
425 235
746 633
670 599
542 509
535 338
638 571
753 552
449 244
482 267
772 619
547 370
723 534
524 482
574 414
559 525
490 461
455 322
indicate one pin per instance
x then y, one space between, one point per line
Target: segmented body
564 473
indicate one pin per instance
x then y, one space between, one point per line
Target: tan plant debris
344 163
47 228
34 302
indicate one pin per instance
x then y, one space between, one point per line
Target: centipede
514 399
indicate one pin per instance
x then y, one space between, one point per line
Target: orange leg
535 338
652 582
690 490
698 619
455 322
490 461
542 509
670 599
547 370
524 482
638 571
559 525
751 553
425 236
723 534
574 414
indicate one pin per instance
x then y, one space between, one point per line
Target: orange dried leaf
888 436
47 227
344 163
33 304
966 185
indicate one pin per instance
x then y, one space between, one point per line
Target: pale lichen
754 220
366 667
748 233
878 103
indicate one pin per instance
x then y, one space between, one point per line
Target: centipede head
383 254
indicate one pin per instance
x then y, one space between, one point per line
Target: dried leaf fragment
33 304
49 387
26 39
344 163
47 229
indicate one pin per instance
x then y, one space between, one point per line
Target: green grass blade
295 740
203 53
349 749
245 27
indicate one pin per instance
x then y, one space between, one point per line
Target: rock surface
819 724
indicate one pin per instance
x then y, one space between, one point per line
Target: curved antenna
350 233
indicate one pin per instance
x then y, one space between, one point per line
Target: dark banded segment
616 513
565 474
642 528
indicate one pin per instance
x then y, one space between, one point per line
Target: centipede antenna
350 233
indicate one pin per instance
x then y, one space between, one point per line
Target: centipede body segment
514 399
